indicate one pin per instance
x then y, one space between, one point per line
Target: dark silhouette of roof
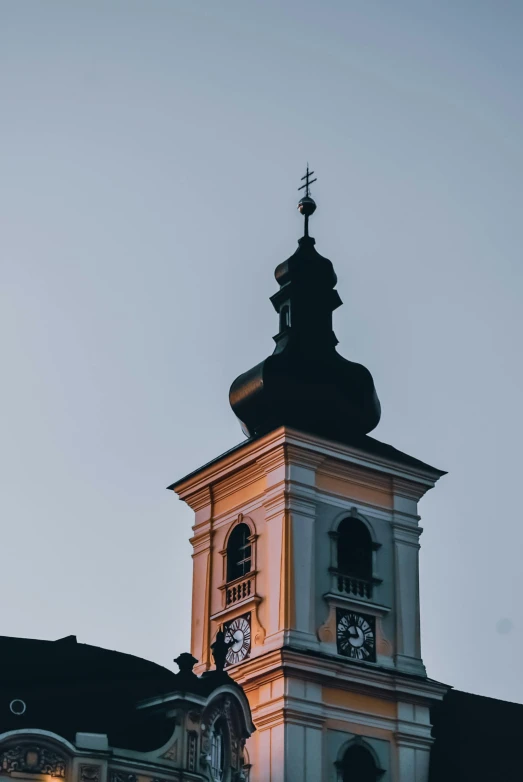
71 687
306 384
476 738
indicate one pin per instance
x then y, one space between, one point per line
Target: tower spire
306 384
307 205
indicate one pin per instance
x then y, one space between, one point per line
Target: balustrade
238 591
353 586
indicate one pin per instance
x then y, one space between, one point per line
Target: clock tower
305 554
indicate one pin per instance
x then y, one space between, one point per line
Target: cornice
199 499
341 600
307 449
361 476
328 671
272 460
274 503
406 533
408 489
300 505
357 456
230 462
238 480
236 609
302 457
316 714
275 713
202 540
405 739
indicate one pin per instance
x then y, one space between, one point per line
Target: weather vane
307 206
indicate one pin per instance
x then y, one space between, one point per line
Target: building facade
305 551
74 712
306 662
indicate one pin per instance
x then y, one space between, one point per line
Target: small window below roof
285 317
217 753
239 552
353 570
354 549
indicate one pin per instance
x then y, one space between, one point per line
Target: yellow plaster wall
240 497
355 701
208 598
354 490
360 730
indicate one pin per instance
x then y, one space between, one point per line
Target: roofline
419 472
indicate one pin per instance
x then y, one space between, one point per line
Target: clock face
356 635
238 635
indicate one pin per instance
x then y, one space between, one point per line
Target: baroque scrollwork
224 710
122 776
32 759
172 752
192 743
89 773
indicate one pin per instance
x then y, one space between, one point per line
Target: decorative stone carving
327 631
224 710
384 646
32 759
122 776
192 740
172 752
89 773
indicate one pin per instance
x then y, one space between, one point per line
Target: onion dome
306 384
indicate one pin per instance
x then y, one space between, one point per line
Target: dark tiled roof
71 687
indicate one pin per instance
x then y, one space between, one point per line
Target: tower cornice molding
272 460
407 476
198 499
406 533
238 480
277 712
274 503
408 489
414 741
390 684
304 506
357 474
303 457
202 541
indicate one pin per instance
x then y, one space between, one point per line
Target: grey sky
150 155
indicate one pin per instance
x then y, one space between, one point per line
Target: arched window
217 752
358 765
239 552
354 549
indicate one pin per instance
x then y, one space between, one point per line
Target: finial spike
307 206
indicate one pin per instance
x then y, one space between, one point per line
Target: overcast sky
150 155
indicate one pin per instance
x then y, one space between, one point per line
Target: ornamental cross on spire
307 206
308 182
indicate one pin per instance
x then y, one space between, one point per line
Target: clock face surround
238 636
356 635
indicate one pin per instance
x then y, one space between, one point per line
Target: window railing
239 590
350 585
